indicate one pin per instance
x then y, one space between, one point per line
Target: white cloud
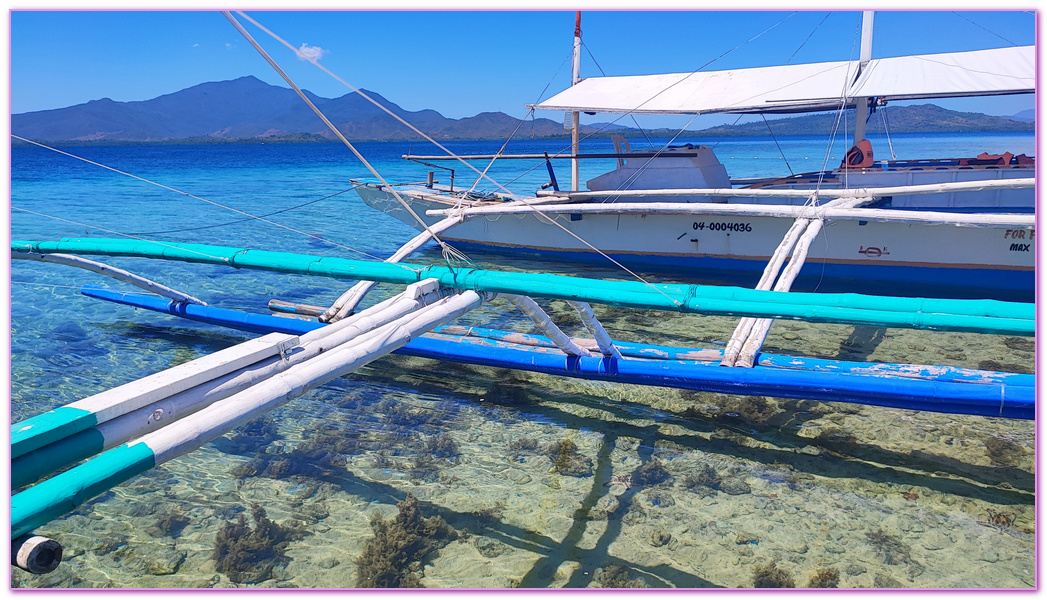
310 52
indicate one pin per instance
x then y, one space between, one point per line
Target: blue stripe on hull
932 282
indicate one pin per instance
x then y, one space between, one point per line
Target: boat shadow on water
760 445
719 430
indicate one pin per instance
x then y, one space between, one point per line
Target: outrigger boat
888 224
132 428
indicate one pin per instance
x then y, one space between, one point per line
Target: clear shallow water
883 497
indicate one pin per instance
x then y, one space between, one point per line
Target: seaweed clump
770 576
825 578
490 514
705 479
520 446
249 438
566 460
756 409
752 409
407 416
434 451
248 555
170 525
441 446
617 576
1002 451
393 557
1018 343
651 473
995 365
888 547
309 459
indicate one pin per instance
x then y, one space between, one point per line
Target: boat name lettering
1018 234
699 225
1020 247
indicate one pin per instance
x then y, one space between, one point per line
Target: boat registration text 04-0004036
720 226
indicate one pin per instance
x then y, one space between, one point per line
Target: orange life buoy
860 156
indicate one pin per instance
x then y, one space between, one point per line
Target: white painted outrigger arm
603 339
750 333
347 302
545 323
64 491
110 271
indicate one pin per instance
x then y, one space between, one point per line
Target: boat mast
575 78
861 105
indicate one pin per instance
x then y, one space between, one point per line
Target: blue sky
457 62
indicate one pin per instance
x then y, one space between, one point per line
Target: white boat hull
991 257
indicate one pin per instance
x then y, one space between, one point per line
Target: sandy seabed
553 482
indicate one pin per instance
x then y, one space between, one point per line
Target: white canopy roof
807 87
978 73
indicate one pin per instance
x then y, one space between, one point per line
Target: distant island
248 110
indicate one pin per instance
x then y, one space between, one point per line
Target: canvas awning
951 75
807 87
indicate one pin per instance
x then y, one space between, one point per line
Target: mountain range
249 109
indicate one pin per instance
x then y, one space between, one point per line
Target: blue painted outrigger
938 389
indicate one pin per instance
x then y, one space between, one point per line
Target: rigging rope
984 28
317 64
587 244
635 122
631 112
841 114
276 212
491 164
724 134
358 91
699 69
177 191
809 37
569 56
448 251
530 114
887 130
79 224
782 152
482 174
625 185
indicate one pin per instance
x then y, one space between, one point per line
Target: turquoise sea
539 481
